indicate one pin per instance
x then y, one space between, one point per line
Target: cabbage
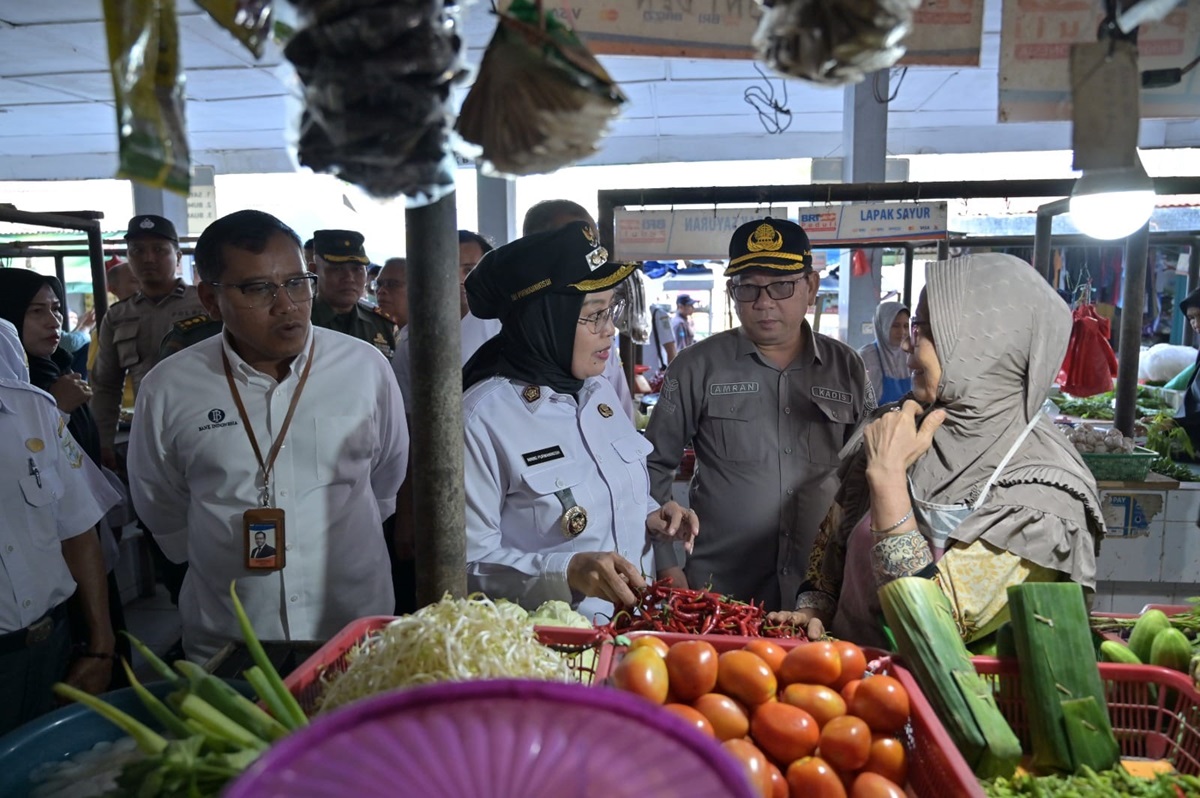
559 613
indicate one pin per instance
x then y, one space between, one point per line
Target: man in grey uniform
767 407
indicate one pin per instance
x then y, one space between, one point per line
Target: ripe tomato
812 777
817 700
753 763
811 663
785 732
694 718
882 702
888 758
848 690
692 669
771 653
779 788
846 743
872 785
728 718
854 663
642 672
746 677
651 642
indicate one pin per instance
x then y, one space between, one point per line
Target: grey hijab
1001 334
13 363
893 358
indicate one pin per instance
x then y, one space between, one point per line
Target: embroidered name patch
832 395
543 455
724 388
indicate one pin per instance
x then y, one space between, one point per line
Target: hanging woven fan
541 100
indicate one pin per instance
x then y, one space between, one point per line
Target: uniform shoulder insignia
531 393
605 410
186 324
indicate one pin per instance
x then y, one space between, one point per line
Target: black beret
568 260
771 245
340 246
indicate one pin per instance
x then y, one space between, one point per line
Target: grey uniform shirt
767 443
130 339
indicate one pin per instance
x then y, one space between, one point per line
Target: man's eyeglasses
262 294
387 285
749 292
600 319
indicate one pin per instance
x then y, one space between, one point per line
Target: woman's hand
674 522
70 391
813 623
893 440
606 575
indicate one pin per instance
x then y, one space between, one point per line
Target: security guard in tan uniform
132 331
341 266
767 407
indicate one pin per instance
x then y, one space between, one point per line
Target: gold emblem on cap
35 445
531 393
590 235
765 238
574 521
597 258
605 411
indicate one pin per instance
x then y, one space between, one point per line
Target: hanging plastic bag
1090 365
248 20
541 101
377 81
833 42
143 57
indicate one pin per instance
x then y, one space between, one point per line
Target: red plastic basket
930 773
1152 724
306 683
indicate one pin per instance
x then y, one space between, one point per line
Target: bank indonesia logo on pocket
216 416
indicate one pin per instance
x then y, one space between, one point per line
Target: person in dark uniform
767 406
341 265
190 331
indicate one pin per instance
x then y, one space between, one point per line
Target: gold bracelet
894 526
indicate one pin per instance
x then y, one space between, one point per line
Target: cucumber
1145 630
1171 649
1112 651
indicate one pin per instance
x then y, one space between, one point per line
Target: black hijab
535 345
18 287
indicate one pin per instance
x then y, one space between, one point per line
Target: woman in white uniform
557 492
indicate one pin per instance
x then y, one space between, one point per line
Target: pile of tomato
802 722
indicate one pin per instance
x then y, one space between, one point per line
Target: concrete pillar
160 202
497 204
864 142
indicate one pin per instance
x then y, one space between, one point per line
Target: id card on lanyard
264 538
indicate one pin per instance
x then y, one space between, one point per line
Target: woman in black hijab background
34 303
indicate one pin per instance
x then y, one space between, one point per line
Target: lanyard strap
1012 450
266 466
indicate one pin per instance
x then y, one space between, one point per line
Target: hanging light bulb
1112 203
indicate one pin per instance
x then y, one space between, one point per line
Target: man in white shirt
48 549
194 472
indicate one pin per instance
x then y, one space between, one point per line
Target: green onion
292 716
160 667
158 709
147 739
203 713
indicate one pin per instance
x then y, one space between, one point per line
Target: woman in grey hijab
885 358
970 485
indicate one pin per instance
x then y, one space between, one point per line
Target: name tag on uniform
832 395
543 455
726 388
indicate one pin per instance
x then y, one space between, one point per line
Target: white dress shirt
47 498
193 473
524 446
475 332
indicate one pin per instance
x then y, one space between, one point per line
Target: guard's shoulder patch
531 393
184 325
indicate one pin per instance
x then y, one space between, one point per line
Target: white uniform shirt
525 444
475 332
654 356
47 498
193 473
